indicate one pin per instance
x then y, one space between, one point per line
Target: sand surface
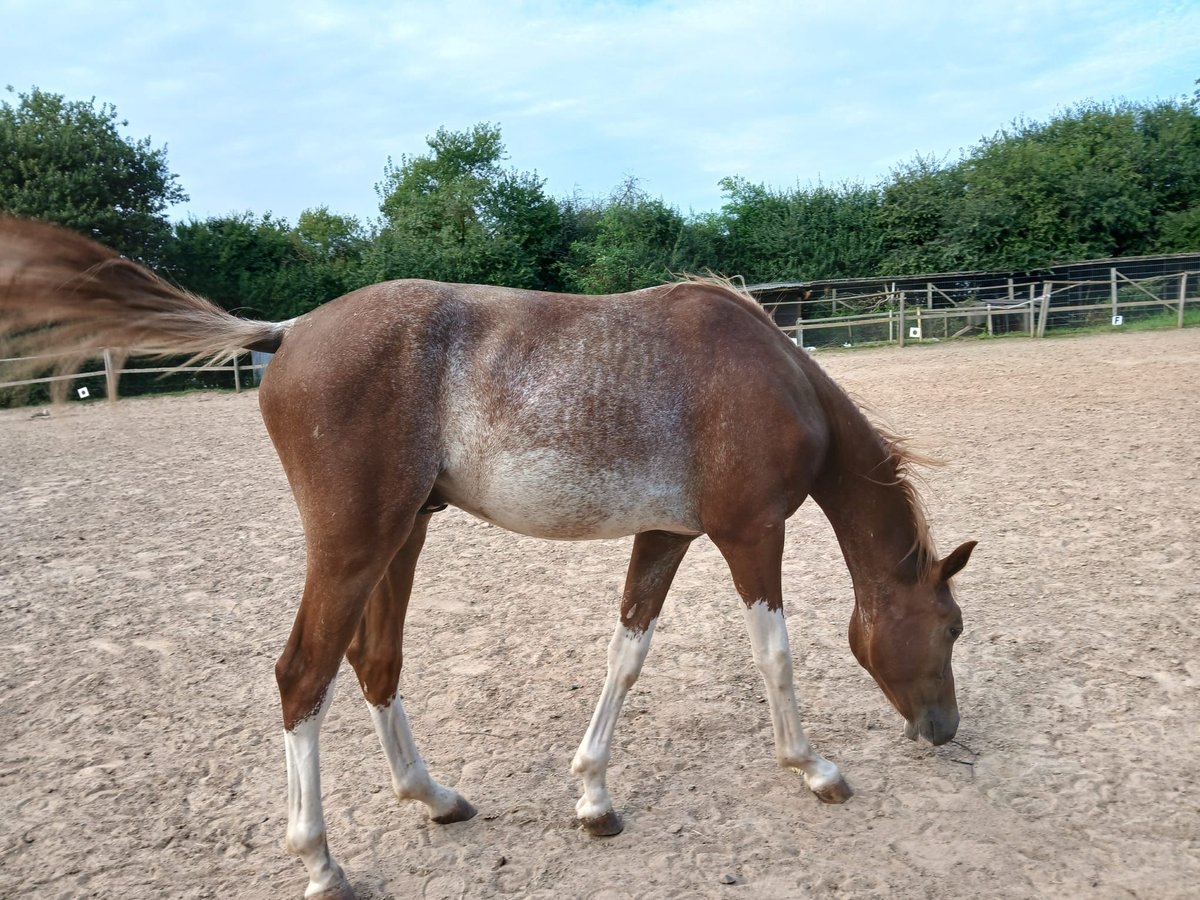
151 561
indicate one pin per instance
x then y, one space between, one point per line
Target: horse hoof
606 825
340 891
460 813
837 792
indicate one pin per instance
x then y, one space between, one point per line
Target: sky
280 107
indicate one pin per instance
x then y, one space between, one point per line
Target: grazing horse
666 413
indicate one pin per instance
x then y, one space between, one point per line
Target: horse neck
873 510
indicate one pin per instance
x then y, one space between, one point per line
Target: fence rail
112 372
907 316
901 317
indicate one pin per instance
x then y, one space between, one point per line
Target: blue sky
285 106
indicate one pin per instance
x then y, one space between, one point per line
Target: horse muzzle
935 726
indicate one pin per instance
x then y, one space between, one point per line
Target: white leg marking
410 778
626 652
306 821
773 656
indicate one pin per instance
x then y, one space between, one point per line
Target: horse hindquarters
359 477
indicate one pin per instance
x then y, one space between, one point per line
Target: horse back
554 415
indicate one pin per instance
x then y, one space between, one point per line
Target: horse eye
955 631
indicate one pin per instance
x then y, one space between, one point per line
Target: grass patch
1162 321
1157 322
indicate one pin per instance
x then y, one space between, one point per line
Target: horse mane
904 461
899 454
735 289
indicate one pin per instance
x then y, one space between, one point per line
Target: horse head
905 640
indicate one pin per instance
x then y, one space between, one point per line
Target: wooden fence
902 317
112 372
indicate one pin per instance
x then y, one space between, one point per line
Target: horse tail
67 297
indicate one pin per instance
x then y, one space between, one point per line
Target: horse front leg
377 655
656 557
755 564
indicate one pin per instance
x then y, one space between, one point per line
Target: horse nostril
943 729
935 726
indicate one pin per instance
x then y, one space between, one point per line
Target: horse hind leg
347 556
306 818
656 557
755 565
376 654
334 597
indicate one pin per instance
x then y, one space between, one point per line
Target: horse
665 413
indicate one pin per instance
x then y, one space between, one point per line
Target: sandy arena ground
151 561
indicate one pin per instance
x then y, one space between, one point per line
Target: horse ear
953 564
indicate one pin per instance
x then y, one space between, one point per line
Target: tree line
1096 180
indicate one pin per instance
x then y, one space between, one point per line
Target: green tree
1097 180
638 241
916 214
457 214
1179 232
262 267
815 232
332 248
1073 188
328 237
1170 165
68 162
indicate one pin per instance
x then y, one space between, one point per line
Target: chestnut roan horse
666 413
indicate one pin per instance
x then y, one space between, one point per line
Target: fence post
1112 278
110 377
989 319
1031 295
237 375
800 332
929 294
1182 295
900 332
1041 330
891 326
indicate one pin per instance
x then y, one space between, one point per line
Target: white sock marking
306 820
626 653
410 778
773 656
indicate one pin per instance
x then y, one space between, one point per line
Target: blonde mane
904 461
734 288
899 454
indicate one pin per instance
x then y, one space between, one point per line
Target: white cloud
286 106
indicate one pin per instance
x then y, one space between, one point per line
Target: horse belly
551 494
